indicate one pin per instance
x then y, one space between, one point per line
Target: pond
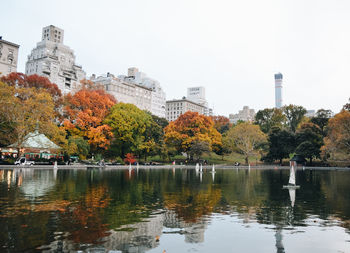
174 210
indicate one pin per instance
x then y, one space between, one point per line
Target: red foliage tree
32 81
129 158
85 112
221 123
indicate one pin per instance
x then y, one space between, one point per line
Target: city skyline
230 48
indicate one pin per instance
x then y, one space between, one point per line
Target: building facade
126 92
197 95
245 114
278 90
177 107
158 97
56 61
8 57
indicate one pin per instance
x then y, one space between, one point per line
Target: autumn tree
191 128
269 118
22 110
338 136
85 112
129 158
246 138
294 115
42 83
131 128
347 106
221 123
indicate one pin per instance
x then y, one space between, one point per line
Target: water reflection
136 210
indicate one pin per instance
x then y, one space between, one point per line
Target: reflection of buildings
194 232
32 184
144 236
138 237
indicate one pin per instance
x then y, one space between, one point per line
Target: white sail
292 176
292 196
197 166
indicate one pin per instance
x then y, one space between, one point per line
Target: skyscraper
278 90
56 61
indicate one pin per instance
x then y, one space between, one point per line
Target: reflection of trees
85 223
110 209
191 204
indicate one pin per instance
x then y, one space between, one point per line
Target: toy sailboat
291 183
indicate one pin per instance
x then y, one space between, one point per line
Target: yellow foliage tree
246 138
337 140
22 110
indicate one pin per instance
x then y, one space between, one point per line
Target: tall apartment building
126 92
8 57
197 95
245 114
278 90
158 97
56 61
177 107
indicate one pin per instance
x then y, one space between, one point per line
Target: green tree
309 141
78 146
245 137
281 144
294 115
269 118
321 119
131 128
198 148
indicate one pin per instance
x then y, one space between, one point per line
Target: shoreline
126 167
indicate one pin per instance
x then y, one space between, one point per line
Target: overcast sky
232 48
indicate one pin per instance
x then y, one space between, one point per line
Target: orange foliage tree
191 128
85 112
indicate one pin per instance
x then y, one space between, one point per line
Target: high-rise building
158 97
278 90
8 57
56 61
197 95
126 92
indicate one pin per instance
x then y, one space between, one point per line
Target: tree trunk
281 161
246 160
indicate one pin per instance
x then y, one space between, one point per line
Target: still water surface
173 210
